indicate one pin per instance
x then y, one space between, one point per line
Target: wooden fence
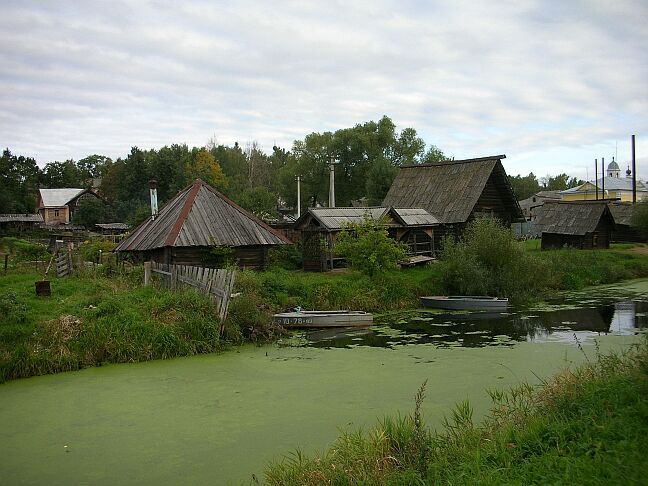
213 282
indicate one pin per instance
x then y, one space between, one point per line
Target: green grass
89 321
588 426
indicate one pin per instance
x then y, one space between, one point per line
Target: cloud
535 80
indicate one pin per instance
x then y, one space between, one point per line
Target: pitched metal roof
57 198
334 219
201 216
21 218
416 217
450 190
611 184
113 226
571 218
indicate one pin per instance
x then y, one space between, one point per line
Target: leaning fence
216 283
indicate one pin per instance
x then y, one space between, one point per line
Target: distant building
623 230
57 206
616 187
198 227
531 205
19 222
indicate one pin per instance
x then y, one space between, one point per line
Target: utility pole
332 183
298 196
634 173
596 176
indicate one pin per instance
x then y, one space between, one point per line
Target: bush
489 261
90 250
368 248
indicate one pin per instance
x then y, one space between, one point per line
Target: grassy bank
90 321
96 319
585 426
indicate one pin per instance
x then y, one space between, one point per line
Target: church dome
613 165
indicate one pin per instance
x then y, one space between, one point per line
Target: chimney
332 183
154 205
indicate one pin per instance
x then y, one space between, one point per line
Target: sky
551 84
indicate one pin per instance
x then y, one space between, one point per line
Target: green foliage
367 247
90 212
90 250
525 187
22 250
489 261
220 257
88 321
288 257
261 202
640 218
18 181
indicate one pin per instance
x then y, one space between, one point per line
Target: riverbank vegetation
107 316
583 426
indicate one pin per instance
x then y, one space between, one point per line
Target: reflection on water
491 329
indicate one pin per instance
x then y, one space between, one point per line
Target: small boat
465 302
307 319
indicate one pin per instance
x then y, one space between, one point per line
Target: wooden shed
457 191
202 227
319 227
623 230
578 224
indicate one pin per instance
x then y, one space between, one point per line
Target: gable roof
334 219
611 184
450 190
571 218
57 198
199 215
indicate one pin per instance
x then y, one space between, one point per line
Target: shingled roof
450 190
621 212
571 218
335 219
199 215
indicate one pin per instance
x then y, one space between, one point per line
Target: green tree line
367 157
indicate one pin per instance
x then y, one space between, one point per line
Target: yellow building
616 187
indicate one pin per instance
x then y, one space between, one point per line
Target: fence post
6 263
147 273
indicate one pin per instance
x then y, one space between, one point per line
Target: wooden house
202 227
582 225
623 230
320 226
457 191
57 206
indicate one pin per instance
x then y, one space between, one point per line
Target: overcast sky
551 84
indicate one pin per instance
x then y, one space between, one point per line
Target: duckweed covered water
218 419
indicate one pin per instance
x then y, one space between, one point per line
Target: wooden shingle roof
335 219
450 190
199 215
571 218
621 212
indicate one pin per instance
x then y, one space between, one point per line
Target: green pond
218 419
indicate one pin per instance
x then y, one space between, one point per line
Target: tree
367 247
203 166
90 212
18 179
639 219
524 187
62 174
261 202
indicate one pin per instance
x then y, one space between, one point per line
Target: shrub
489 261
90 250
368 248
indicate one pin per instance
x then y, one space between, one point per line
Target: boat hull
322 319
465 303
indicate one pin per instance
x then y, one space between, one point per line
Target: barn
577 224
202 227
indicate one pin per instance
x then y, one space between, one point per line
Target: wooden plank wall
215 283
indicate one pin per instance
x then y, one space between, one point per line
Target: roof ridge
182 217
461 161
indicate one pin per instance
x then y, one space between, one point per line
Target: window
56 213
